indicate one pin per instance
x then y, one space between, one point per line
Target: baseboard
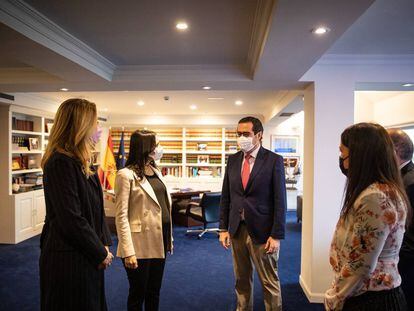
312 297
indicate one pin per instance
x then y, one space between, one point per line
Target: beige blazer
138 216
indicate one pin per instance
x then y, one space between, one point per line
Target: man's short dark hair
403 144
257 124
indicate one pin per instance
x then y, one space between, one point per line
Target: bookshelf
25 134
193 157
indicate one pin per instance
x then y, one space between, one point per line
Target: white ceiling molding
366 59
35 101
203 73
26 20
260 31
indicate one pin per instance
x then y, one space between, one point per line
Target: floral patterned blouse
365 245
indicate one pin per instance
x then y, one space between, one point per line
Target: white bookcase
182 145
22 214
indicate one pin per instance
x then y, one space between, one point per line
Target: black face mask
341 166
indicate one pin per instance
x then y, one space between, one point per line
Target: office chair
207 211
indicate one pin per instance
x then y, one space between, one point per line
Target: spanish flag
107 172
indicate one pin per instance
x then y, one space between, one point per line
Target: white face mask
157 153
245 143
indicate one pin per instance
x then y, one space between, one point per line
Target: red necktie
246 170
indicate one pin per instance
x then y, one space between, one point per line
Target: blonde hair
71 132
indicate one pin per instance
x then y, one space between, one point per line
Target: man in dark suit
404 150
252 215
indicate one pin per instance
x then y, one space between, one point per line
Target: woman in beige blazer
143 221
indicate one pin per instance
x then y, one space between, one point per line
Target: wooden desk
180 195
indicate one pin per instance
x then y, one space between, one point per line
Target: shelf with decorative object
36 170
204 171
26 152
22 211
26 133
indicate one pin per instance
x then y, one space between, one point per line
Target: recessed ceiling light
193 107
206 87
64 89
408 84
320 30
215 98
181 26
238 103
140 103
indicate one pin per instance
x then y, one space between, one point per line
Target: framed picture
16 163
34 143
203 159
285 145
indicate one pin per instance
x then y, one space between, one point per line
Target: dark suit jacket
407 172
263 200
73 238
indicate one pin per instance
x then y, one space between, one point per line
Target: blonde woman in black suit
143 221
75 239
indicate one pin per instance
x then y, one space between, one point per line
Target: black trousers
406 269
386 300
145 281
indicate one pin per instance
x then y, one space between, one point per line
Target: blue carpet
199 276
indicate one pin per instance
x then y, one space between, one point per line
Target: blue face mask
342 167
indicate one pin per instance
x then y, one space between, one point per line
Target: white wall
293 126
364 108
396 111
327 113
390 110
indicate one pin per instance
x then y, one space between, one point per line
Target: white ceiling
143 32
386 28
132 45
149 58
122 103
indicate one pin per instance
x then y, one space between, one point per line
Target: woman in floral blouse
368 235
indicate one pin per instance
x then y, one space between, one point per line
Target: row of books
212 159
171 158
172 171
22 125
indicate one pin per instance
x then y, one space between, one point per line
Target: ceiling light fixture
193 107
408 84
181 26
238 103
215 98
206 87
320 30
64 89
140 103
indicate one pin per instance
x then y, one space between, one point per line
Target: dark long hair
142 143
371 159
